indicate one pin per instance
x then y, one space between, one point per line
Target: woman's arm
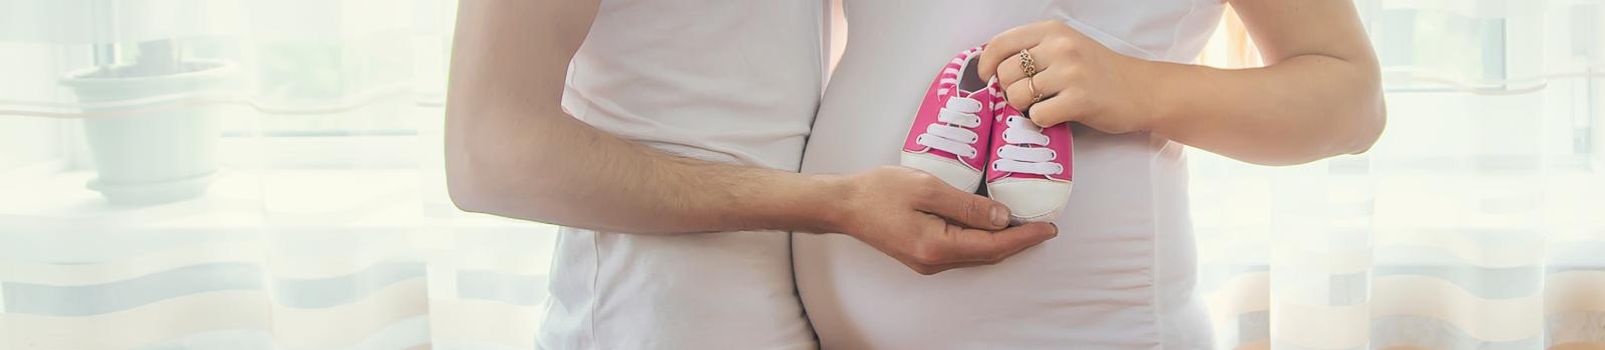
1318 96
512 151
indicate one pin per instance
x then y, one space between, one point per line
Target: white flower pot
151 155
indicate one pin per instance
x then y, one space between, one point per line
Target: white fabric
718 80
1121 273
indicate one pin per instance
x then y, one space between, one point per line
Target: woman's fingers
1009 71
1047 84
1054 111
1012 71
1010 42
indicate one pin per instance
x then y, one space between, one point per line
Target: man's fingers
991 247
940 269
1010 43
964 208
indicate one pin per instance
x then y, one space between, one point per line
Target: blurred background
254 174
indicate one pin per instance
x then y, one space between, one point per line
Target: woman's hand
1075 79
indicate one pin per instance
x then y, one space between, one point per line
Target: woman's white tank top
1120 275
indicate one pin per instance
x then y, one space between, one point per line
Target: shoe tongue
963 104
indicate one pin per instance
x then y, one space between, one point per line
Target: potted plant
149 144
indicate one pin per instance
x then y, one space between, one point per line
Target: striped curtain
323 224
1477 222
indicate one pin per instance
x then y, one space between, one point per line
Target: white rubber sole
1031 200
950 171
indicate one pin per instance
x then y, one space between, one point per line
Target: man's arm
512 151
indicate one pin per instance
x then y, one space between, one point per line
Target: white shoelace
1014 157
952 133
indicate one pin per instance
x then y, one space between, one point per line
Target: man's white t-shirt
729 81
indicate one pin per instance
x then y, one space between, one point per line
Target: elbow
471 184
479 189
485 170
1372 111
1370 119
1357 136
461 186
479 180
464 197
1361 128
465 191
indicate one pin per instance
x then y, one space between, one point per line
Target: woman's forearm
1301 109
1319 96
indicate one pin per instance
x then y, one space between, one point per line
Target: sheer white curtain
1477 222
243 174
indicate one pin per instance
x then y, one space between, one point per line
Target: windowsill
58 220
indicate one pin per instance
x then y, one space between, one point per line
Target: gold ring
1027 64
1032 84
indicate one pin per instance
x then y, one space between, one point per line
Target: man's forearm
512 151
1298 110
583 177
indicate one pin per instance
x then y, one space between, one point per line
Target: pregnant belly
1117 275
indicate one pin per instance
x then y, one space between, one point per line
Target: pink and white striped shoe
1030 166
953 127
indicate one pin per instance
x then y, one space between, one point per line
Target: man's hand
928 225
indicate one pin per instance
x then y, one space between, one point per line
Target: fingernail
1055 229
1000 217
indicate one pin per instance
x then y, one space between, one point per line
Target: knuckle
927 254
1064 45
930 185
1018 92
1070 72
923 196
997 256
1009 70
1051 43
1020 101
977 210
